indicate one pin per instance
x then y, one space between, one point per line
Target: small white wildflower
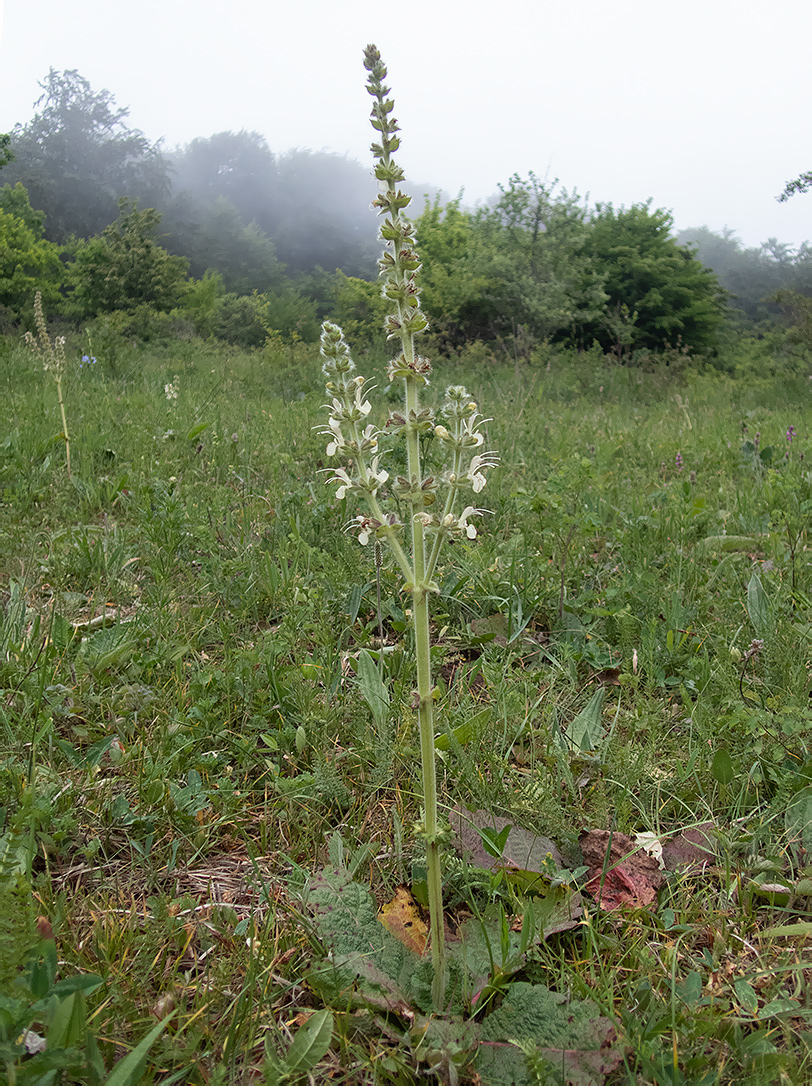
347 483
478 464
336 441
469 529
376 478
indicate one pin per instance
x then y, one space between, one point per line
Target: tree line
232 240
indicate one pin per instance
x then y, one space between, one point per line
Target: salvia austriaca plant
52 356
432 500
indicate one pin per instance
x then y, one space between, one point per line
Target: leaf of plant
746 995
465 731
373 690
586 730
789 931
310 1043
620 873
494 841
68 1023
758 606
798 818
533 1021
128 1071
722 769
690 989
524 849
402 918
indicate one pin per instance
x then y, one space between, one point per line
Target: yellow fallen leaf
401 918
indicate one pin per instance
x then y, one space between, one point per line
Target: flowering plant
431 500
52 356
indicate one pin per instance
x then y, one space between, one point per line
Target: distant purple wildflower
91 361
791 432
678 461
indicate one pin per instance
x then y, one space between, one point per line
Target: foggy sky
702 105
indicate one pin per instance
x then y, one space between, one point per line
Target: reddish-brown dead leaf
401 918
692 850
620 873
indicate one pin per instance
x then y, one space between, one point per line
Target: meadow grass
183 741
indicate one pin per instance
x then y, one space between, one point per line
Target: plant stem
64 422
422 641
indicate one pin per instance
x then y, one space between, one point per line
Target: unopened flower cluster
51 355
355 440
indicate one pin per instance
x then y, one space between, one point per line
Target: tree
675 298
323 215
126 267
77 157
15 200
751 277
6 154
799 185
244 256
236 166
28 263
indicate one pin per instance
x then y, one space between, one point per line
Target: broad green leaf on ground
310 1044
536 1034
758 606
366 963
585 732
722 768
372 687
798 820
497 945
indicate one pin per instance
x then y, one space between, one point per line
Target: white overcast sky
703 105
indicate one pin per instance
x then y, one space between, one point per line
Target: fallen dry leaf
620 872
401 918
524 849
691 850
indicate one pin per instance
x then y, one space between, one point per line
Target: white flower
347 484
469 529
376 478
362 406
366 528
478 463
442 433
336 441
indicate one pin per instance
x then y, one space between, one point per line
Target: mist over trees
753 276
77 157
238 240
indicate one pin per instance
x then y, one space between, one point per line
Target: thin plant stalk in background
431 500
52 356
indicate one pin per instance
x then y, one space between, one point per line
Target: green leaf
798 818
586 731
193 433
746 995
722 769
372 688
690 990
789 931
758 606
492 841
464 732
310 1043
128 1071
68 1024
